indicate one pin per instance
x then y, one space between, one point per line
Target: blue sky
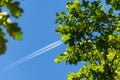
38 26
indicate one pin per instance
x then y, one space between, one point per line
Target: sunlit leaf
102 7
18 35
98 12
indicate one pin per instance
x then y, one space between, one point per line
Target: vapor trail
34 54
42 49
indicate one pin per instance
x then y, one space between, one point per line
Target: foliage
11 28
92 35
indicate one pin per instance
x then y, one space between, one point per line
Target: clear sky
38 26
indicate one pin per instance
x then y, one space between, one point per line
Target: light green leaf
98 12
102 7
18 35
65 37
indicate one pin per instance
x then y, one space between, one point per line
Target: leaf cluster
11 28
92 35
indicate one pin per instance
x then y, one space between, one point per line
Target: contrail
42 49
34 54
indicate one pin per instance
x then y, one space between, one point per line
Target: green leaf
98 12
14 8
60 58
65 37
3 42
2 48
118 26
108 1
102 7
18 35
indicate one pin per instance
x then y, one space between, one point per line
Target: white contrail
42 49
34 54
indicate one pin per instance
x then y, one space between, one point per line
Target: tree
92 35
6 25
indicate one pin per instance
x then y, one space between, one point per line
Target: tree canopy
92 34
6 25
